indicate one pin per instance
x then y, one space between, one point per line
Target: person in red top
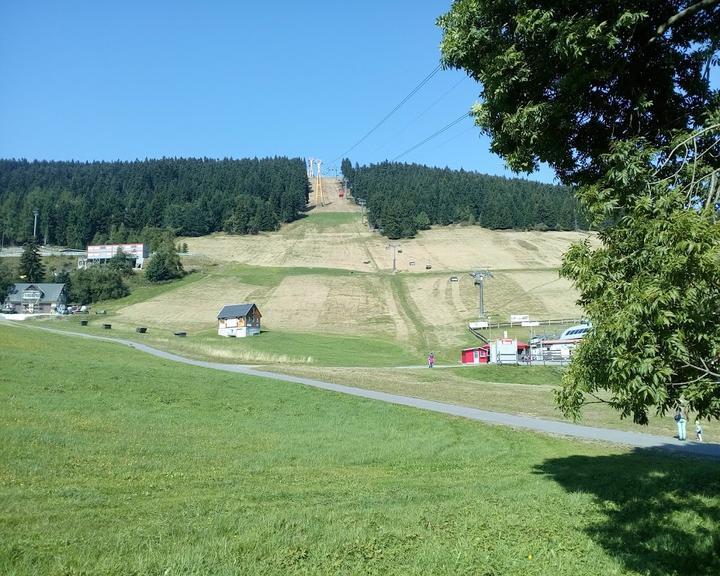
431 360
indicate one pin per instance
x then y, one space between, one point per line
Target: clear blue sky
97 80
93 80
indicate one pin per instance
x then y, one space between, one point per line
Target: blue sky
99 80
95 80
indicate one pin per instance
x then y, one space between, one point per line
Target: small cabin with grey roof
239 320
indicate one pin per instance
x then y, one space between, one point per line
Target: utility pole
394 249
479 276
35 212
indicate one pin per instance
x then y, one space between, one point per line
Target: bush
97 283
164 264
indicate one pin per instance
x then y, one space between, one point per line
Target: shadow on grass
658 515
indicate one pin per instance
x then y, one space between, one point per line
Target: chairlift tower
394 247
319 200
479 277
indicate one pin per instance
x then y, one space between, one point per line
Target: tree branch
689 11
705 370
598 400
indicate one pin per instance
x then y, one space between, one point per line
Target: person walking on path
698 430
431 360
681 420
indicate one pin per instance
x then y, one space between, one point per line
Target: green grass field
271 347
114 462
378 364
327 221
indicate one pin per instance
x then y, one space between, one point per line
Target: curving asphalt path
633 439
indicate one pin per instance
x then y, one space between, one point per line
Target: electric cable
434 135
389 114
435 103
454 137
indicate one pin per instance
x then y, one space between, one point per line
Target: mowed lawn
113 462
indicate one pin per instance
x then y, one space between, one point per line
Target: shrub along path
635 439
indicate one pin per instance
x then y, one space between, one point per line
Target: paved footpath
633 439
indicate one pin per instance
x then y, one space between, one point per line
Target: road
633 439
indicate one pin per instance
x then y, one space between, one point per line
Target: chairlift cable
389 114
434 135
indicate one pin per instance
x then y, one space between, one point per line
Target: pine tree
164 264
6 281
31 267
121 263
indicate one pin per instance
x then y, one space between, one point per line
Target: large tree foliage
103 202
561 80
30 267
652 291
616 97
121 263
250 216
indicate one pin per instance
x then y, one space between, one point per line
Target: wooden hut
239 320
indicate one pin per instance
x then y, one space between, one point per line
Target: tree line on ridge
404 198
97 202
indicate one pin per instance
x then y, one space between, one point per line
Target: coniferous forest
404 198
97 202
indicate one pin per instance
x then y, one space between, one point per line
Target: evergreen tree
6 280
346 169
422 221
164 264
121 263
103 202
30 267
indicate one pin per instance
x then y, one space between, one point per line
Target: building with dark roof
239 320
35 298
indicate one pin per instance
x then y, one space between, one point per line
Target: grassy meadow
114 462
522 390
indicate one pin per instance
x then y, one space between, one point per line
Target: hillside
329 274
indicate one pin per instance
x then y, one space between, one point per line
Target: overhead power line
434 135
454 137
389 114
444 95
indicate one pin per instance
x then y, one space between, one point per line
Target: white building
101 253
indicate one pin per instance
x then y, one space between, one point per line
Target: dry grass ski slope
329 273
